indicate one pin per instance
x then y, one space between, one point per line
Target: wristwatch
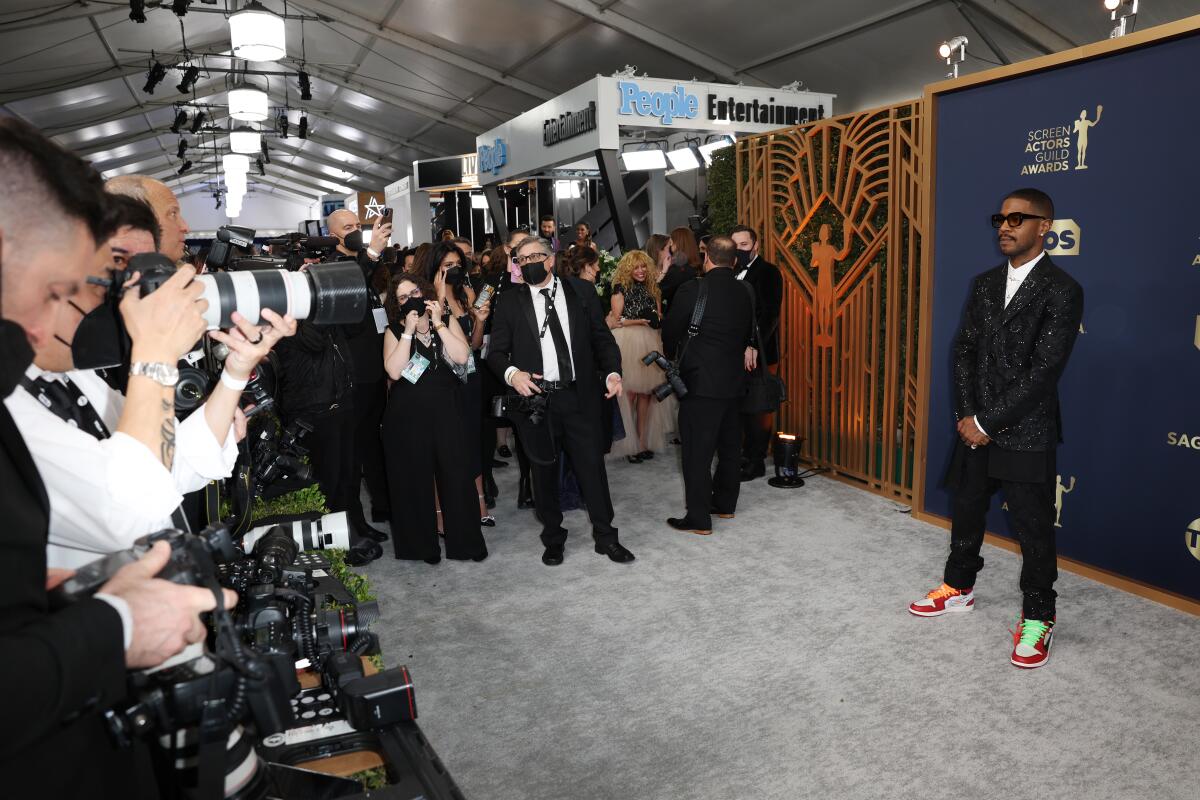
164 374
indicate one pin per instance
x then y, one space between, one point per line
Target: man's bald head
342 223
166 209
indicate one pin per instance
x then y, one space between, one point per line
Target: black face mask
744 257
534 272
416 304
100 340
353 241
455 276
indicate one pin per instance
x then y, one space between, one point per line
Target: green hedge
722 192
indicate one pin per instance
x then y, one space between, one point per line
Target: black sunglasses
1014 219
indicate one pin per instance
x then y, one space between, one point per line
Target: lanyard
549 307
64 400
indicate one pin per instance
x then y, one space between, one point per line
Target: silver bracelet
408 336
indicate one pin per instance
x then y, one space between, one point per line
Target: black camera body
535 407
674 384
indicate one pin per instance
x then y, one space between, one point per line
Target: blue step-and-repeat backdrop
1116 143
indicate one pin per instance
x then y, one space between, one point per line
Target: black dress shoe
615 551
363 552
367 532
753 471
498 464
681 524
503 451
553 555
488 522
432 560
646 455
634 459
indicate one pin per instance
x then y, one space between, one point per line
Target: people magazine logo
1060 148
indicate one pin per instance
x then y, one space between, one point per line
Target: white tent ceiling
397 80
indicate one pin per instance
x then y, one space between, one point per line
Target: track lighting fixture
180 121
266 157
137 11
154 77
183 146
261 169
190 75
197 122
305 86
304 127
283 123
180 7
183 169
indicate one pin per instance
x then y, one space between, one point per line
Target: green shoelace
1032 631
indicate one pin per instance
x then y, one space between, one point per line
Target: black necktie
565 373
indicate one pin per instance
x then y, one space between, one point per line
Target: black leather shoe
646 455
363 552
616 552
433 560
553 555
753 471
367 532
503 451
487 522
634 459
681 524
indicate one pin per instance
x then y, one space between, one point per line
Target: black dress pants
369 401
708 426
1031 513
331 453
574 430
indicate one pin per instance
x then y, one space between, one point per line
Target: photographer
559 356
116 467
63 667
714 367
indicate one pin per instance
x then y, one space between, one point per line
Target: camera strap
62 398
693 329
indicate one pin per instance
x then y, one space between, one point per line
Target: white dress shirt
549 351
742 275
1015 277
106 493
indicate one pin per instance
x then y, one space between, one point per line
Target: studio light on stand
786 451
955 53
1124 13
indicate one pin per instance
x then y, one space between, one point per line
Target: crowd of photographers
99 312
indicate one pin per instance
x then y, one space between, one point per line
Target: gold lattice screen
839 207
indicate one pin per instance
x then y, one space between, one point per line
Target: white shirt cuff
610 376
977 425
508 373
122 609
199 457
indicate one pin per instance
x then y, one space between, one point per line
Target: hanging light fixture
248 103
235 164
244 139
257 34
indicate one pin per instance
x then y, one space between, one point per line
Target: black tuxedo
1007 362
574 411
713 369
59 668
768 293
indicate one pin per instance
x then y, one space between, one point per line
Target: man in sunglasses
1020 324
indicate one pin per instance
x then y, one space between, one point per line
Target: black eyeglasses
532 257
1014 219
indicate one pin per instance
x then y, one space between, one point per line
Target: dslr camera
534 407
674 384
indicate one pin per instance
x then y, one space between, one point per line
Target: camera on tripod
673 384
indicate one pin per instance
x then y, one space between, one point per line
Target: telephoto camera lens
275 551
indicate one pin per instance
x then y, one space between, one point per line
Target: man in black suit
549 338
1017 333
767 281
714 367
63 667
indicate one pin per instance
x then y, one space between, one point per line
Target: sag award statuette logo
1193 538
1050 148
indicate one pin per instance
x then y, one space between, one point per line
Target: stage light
684 158
180 7
261 169
244 139
305 86
180 121
248 103
786 452
479 201
947 49
137 11
1124 13
154 77
266 154
304 127
190 76
235 164
1112 5
197 122
644 159
257 34
183 169
217 195
183 146
282 125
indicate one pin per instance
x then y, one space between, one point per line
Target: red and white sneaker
944 600
1031 642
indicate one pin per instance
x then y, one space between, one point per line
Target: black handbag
765 392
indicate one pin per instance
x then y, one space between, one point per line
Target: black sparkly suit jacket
1007 361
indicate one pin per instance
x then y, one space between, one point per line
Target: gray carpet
775 659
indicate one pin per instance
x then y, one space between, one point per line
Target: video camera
229 716
673 384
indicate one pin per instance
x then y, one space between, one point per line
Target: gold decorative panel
839 208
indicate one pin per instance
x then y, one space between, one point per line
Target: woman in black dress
446 269
424 353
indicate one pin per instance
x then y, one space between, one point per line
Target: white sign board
593 116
